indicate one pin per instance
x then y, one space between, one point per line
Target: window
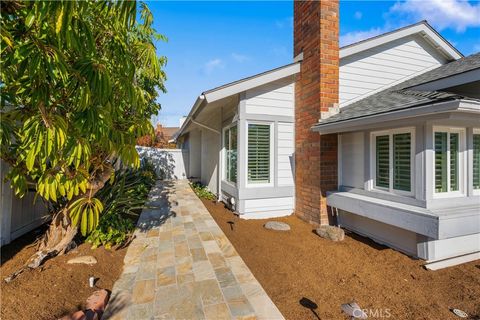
393 160
259 153
230 144
476 160
447 170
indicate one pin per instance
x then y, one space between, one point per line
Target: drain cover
460 313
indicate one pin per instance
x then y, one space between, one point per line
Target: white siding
275 98
379 68
210 149
285 154
352 160
266 208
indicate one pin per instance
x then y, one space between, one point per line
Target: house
381 137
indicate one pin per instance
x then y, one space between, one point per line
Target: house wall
210 148
373 70
194 149
273 104
352 159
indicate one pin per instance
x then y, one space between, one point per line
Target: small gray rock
83 259
277 225
331 233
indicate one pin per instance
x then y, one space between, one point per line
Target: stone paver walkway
182 266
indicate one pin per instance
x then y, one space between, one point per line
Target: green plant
124 198
202 191
79 84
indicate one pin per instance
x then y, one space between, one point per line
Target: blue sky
212 43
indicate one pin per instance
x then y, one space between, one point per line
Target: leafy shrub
202 191
124 198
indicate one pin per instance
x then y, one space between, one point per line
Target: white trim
373 161
422 28
462 162
252 82
450 262
272 155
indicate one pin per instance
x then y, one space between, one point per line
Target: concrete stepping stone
277 226
83 259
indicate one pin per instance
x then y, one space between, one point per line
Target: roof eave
463 105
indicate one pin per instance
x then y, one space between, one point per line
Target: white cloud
212 65
355 36
240 57
442 14
358 15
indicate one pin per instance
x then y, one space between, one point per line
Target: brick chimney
316 95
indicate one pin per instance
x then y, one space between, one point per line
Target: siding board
379 68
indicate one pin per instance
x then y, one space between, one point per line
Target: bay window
393 160
259 153
230 146
448 166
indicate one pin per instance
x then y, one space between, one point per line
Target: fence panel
170 164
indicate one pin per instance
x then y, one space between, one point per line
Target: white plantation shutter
476 161
258 153
440 161
454 141
402 161
382 161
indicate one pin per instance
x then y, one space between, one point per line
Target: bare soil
57 288
297 264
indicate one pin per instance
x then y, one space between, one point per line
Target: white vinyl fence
18 216
170 164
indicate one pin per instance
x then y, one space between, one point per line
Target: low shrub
124 198
202 191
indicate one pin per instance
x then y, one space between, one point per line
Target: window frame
462 162
272 155
373 161
475 192
224 154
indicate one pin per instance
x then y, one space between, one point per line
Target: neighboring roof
167 132
237 87
403 95
422 28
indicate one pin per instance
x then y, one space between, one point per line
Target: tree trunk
60 234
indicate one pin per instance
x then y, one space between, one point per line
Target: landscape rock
83 259
277 225
331 233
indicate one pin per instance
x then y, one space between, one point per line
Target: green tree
79 82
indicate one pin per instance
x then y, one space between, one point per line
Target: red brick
316 90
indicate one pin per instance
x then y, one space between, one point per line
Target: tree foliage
79 82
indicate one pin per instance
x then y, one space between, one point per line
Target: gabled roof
237 87
404 95
422 28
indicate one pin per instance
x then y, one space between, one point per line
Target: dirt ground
298 264
58 288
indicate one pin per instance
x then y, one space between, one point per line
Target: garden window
259 153
230 144
393 160
476 160
447 160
